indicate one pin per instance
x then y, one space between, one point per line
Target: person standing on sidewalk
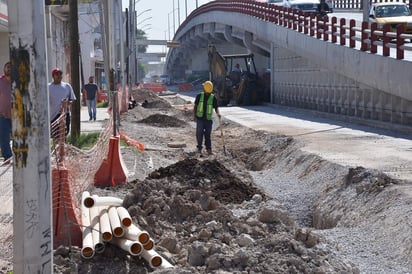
59 92
5 113
91 92
205 102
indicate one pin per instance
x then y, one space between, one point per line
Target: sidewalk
102 118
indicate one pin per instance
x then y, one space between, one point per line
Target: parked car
312 6
393 13
164 79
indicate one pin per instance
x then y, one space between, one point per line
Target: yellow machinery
230 86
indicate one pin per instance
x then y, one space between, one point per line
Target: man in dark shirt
91 92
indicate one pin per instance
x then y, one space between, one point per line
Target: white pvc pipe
149 245
135 233
87 250
95 226
105 228
124 216
133 247
102 201
154 259
117 228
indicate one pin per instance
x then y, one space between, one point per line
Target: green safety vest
209 106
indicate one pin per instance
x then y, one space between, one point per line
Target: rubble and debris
216 215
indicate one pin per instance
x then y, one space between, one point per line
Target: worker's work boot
209 151
199 152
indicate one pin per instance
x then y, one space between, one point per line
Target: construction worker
205 102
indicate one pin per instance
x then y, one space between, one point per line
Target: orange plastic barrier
185 87
130 142
156 87
102 96
65 224
112 171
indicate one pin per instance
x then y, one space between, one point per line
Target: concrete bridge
326 64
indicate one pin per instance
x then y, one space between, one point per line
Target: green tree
141 35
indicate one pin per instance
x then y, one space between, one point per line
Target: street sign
173 44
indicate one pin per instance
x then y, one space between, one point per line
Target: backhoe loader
234 87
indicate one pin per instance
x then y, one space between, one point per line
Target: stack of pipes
105 220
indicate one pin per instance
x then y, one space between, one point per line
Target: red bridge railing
345 32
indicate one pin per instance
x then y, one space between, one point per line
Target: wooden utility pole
74 68
32 222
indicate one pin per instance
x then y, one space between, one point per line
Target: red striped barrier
155 87
185 87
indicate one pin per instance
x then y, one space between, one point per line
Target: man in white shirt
59 92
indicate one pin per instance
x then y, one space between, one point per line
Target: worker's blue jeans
203 128
91 107
5 131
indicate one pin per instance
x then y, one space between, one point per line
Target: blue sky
161 14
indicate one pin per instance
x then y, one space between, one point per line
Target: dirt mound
206 176
207 219
161 120
149 99
140 95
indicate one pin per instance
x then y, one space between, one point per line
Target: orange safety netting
73 172
131 142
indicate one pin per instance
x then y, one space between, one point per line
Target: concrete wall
4 53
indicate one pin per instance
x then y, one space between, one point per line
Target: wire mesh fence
81 165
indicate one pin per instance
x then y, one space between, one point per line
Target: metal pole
32 222
168 24
197 4
178 12
186 8
174 18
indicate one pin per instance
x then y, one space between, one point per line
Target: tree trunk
74 68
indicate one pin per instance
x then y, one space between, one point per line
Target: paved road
342 143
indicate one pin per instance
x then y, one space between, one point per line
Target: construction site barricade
155 87
66 226
112 171
102 96
185 87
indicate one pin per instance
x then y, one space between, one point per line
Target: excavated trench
264 206
317 194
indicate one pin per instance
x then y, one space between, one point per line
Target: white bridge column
33 242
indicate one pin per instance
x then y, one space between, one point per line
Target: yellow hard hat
208 87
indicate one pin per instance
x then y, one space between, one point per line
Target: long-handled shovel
221 135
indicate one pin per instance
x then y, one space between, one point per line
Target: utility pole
32 222
128 46
178 12
174 18
133 47
122 25
74 68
